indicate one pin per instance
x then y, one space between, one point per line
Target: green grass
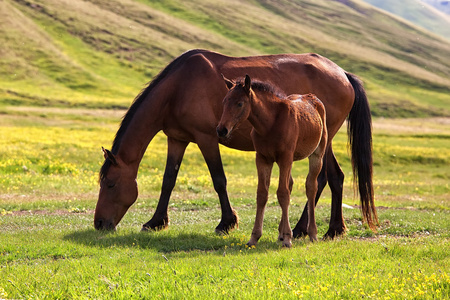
50 250
58 256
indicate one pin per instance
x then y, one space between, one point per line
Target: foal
284 130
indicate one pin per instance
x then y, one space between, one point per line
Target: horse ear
228 82
108 155
247 84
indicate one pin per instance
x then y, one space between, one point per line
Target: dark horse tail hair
359 129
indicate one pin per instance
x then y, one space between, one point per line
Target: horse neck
262 116
142 126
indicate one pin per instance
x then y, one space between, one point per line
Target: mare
185 102
285 129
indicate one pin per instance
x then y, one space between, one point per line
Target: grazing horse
185 102
285 129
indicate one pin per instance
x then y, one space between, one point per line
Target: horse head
118 191
236 106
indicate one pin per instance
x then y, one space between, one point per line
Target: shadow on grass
166 241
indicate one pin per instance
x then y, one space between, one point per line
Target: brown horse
185 102
285 129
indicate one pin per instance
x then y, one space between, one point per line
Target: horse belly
307 143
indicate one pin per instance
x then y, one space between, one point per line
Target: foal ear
247 84
228 82
108 155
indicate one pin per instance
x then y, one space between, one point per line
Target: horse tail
359 129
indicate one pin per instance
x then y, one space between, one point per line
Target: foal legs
300 228
333 174
284 195
315 165
264 171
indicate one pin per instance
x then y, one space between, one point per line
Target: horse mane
265 87
140 98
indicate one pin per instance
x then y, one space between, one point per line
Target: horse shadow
163 242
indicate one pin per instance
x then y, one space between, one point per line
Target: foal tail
359 129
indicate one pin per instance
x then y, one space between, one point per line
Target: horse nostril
222 132
98 224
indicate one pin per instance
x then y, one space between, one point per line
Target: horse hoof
313 239
332 233
298 233
159 228
251 244
224 229
156 225
221 231
225 226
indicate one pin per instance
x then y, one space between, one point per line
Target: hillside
420 13
441 5
100 53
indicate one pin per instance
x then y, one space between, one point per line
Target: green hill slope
100 53
419 13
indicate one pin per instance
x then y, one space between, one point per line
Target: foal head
236 106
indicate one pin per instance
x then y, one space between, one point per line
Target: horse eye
240 104
110 184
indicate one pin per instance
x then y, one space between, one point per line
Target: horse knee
311 183
283 196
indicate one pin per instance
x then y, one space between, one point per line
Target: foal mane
140 98
265 87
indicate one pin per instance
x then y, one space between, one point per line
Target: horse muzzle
222 131
101 224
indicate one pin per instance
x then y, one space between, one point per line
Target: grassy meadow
69 70
49 160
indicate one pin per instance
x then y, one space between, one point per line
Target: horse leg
291 185
336 182
315 166
175 153
283 195
264 171
300 228
211 154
